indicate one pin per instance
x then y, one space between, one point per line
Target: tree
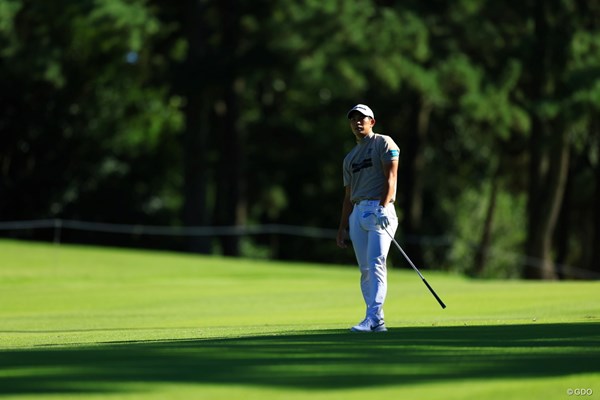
558 108
195 138
149 111
86 123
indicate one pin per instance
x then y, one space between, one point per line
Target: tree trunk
413 177
231 191
195 136
544 209
549 155
563 225
594 263
484 244
230 207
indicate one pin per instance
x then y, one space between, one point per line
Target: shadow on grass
311 360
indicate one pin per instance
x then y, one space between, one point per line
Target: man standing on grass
370 171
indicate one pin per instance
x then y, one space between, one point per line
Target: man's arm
344 219
390 170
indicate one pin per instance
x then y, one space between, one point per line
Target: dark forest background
233 113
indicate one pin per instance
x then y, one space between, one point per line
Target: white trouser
371 246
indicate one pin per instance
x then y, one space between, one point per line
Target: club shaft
417 271
407 258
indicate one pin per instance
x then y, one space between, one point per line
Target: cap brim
358 111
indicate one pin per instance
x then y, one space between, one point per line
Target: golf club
416 270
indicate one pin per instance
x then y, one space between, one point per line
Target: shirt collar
367 138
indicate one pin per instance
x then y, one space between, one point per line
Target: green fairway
85 323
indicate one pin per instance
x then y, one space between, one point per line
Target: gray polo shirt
363 166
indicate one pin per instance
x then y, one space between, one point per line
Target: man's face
361 125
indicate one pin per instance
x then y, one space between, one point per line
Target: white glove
382 219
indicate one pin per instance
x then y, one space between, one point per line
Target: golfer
370 171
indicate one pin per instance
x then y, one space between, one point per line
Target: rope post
57 230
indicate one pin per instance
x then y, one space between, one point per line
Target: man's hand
342 238
382 219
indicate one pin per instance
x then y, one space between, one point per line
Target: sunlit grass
83 322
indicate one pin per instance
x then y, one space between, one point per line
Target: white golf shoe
368 325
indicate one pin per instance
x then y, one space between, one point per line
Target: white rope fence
241 230
303 231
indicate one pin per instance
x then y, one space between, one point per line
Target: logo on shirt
394 153
366 163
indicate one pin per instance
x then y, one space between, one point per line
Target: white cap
363 109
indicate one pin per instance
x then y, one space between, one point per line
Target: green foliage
94 106
122 24
502 256
8 11
103 109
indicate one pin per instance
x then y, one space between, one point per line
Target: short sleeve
390 151
346 174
